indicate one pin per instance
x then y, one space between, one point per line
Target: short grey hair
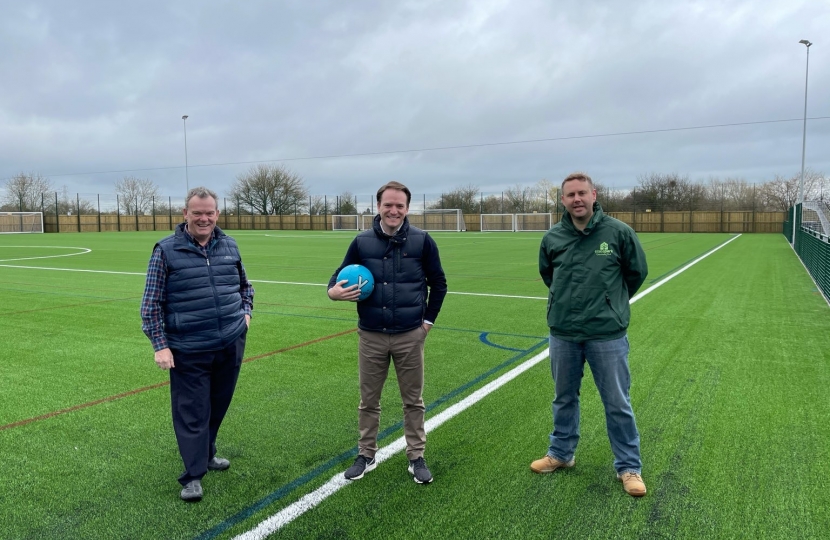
202 193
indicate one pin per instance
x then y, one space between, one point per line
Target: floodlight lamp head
184 117
805 42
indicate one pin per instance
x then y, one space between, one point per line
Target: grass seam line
288 514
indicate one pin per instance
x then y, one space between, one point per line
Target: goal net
438 220
345 223
366 221
21 222
533 222
496 222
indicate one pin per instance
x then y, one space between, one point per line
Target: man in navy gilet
196 311
393 322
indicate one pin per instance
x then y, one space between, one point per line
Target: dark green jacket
591 275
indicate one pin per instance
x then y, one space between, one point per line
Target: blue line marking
328 465
483 338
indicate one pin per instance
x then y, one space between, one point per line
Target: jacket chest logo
603 250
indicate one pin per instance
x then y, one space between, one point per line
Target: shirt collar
193 240
393 233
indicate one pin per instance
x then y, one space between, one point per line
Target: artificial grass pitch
729 372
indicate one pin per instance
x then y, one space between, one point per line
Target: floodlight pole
186 176
800 199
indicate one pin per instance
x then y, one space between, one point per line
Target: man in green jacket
592 264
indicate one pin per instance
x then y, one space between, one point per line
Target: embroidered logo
603 250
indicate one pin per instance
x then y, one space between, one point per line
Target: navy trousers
201 389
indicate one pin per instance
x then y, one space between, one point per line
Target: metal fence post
57 215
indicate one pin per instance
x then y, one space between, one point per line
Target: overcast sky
91 91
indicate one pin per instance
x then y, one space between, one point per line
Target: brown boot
632 483
548 464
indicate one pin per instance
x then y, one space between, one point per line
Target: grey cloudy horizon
100 86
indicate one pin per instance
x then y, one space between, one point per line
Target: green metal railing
813 248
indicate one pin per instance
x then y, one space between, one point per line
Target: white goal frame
345 222
21 222
366 221
498 222
450 219
535 222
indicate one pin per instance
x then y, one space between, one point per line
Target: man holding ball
393 322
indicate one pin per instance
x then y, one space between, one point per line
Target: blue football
357 274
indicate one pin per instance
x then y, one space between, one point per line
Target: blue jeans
609 365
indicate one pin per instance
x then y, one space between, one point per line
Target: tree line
653 192
275 189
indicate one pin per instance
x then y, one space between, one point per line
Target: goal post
536 222
366 221
497 222
345 222
451 219
21 222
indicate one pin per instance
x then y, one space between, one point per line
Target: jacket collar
568 222
400 234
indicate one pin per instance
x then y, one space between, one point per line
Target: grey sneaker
218 464
419 471
192 492
361 466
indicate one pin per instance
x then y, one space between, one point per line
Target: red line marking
160 385
292 347
81 406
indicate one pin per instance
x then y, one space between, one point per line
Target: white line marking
694 262
83 251
74 270
289 513
309 501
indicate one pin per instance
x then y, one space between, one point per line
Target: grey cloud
99 86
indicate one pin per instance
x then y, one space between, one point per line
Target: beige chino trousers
406 351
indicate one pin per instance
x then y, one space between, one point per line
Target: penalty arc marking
82 251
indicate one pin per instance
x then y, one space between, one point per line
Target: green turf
729 370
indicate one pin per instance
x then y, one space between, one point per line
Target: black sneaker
419 471
361 465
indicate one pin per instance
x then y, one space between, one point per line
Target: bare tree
25 192
68 205
136 194
163 207
729 194
320 206
269 189
520 199
613 200
815 184
492 204
465 197
780 193
346 204
668 191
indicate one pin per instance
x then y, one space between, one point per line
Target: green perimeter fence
812 247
